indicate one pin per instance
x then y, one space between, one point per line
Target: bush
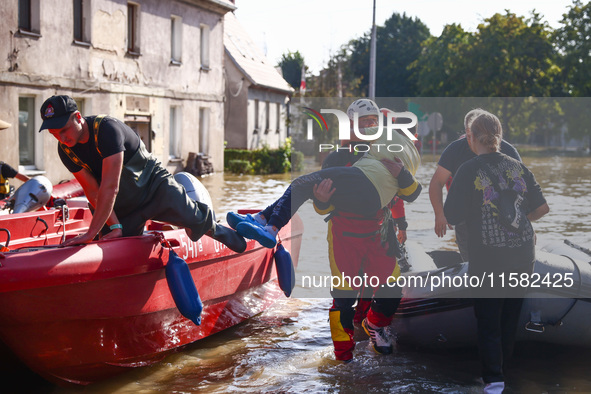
262 161
240 167
297 161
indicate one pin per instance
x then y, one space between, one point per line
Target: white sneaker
380 340
494 388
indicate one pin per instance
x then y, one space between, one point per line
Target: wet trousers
497 320
148 191
341 315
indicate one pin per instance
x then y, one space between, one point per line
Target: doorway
141 125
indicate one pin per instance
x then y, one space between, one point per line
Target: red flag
303 82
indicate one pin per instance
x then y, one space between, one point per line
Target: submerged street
288 348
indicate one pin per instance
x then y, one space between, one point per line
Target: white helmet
363 107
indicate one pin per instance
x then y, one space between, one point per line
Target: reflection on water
288 348
565 181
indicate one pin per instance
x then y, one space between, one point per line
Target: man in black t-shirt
124 183
456 154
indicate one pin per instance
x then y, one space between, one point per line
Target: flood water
288 348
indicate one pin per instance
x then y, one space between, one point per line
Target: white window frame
133 28
84 19
174 134
81 104
267 117
204 130
278 116
204 46
256 116
176 39
37 141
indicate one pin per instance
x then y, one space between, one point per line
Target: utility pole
372 57
339 81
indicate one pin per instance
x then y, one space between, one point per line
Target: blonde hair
487 129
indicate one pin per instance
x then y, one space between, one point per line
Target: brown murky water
288 348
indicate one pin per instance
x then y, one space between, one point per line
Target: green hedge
264 160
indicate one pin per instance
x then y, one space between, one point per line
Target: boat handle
61 204
4 248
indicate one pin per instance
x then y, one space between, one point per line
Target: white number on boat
189 246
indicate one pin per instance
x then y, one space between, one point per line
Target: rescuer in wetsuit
7 171
355 242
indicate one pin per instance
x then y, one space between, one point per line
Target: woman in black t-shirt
474 198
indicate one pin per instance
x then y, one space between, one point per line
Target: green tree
572 40
509 56
291 66
398 45
512 57
574 44
337 79
577 116
440 69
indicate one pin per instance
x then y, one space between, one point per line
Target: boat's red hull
81 314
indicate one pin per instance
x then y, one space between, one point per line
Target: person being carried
363 189
475 197
456 154
7 171
124 183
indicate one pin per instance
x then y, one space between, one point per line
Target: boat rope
162 239
582 249
575 300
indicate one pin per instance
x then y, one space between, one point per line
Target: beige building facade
157 65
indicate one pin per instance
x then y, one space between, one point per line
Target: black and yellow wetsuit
6 171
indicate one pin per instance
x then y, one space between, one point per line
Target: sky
317 28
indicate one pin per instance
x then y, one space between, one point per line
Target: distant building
157 65
257 96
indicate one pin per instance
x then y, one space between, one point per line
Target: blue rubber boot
256 232
228 237
234 218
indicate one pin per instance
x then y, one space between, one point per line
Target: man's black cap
56 111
